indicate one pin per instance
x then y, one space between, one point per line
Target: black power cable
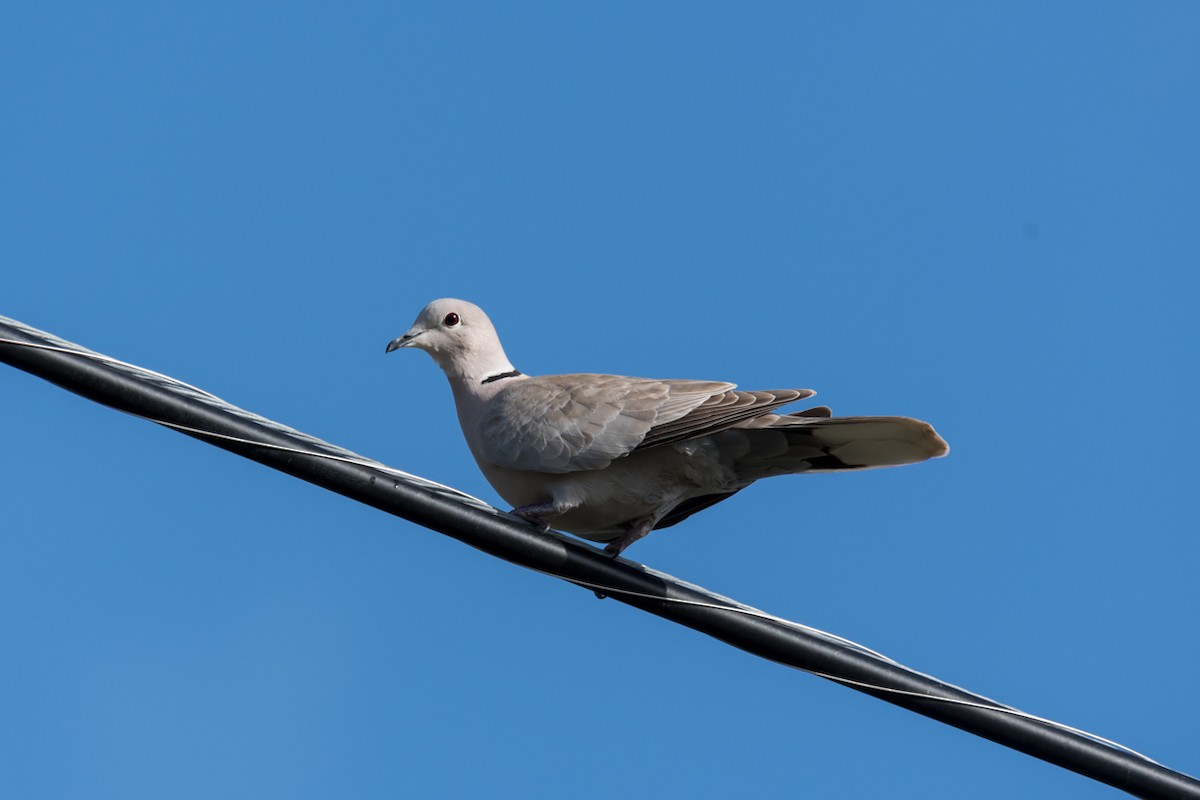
189 410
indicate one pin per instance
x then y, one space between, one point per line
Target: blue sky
982 215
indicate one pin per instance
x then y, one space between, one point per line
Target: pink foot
536 515
636 530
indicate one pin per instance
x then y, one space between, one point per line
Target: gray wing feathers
566 423
721 411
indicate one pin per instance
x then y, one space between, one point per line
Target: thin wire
81 351
738 608
361 462
998 707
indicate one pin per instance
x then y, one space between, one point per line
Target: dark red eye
450 320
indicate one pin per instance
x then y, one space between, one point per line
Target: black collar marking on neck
501 376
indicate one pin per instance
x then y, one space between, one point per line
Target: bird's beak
405 340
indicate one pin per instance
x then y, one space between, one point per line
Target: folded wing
567 423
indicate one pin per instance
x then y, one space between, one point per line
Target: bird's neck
480 378
473 388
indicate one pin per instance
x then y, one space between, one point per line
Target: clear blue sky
984 215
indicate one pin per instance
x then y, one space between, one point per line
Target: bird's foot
635 530
536 514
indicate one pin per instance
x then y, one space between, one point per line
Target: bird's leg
536 514
634 530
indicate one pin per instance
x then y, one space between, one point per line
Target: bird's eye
450 320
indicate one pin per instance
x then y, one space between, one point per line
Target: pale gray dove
611 458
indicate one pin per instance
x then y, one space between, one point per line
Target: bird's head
459 336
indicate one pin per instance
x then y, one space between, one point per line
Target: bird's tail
808 442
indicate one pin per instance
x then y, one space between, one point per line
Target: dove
610 458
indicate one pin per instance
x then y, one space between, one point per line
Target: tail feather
816 444
818 411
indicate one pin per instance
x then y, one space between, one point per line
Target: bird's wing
567 423
722 410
